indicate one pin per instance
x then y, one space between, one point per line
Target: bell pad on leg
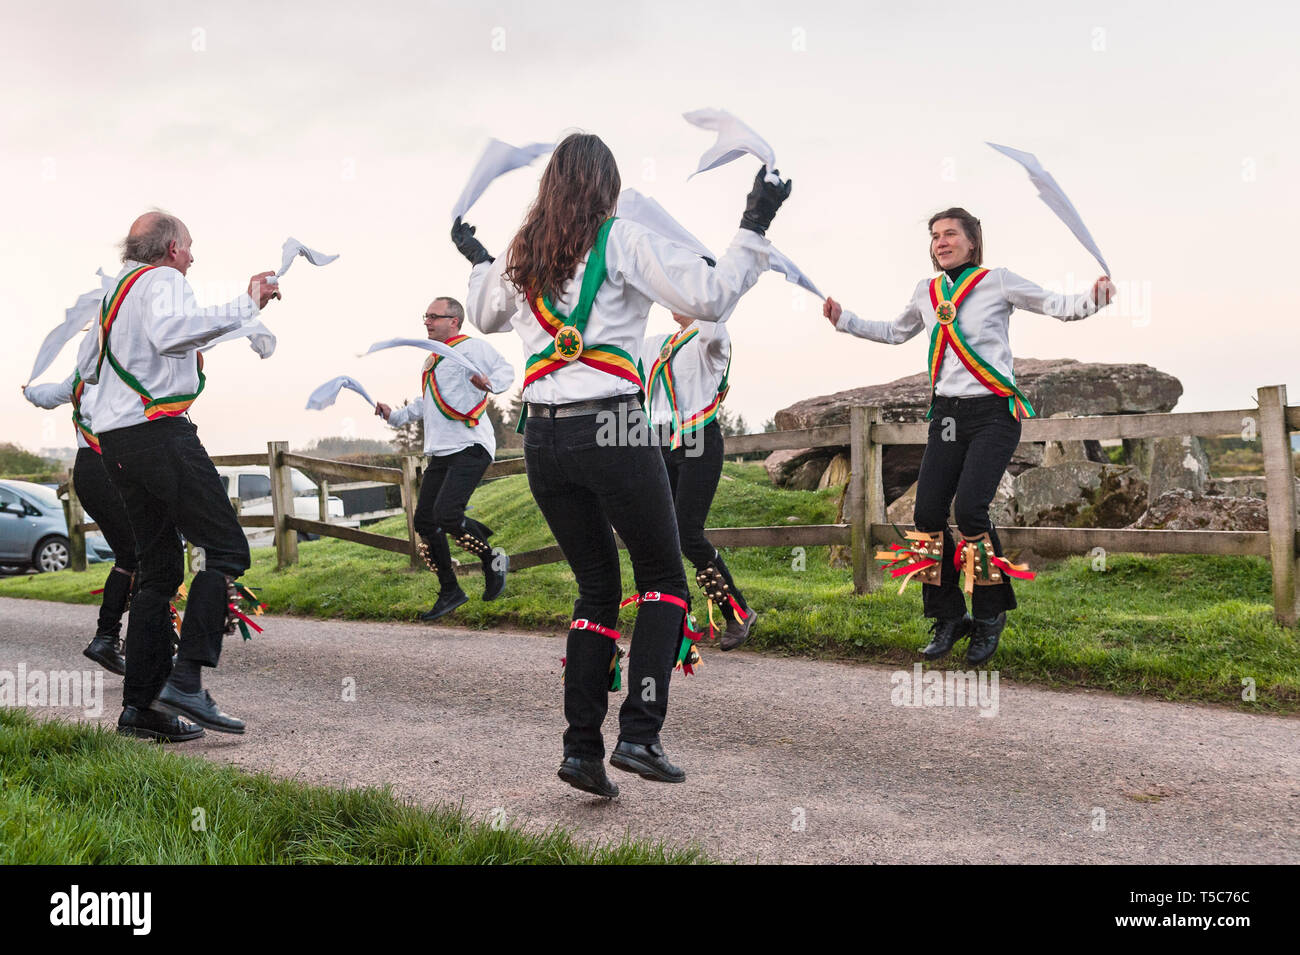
921 557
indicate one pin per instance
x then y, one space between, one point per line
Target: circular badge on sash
946 312
568 343
666 351
429 362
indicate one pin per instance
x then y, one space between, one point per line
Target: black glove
462 233
763 201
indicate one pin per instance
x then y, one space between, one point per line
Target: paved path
475 718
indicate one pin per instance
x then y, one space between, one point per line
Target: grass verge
1175 627
73 794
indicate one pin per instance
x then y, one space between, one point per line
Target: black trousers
170 488
970 443
104 506
588 487
449 481
693 477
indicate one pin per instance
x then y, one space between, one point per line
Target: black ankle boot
944 632
984 638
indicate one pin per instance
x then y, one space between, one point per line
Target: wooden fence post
286 539
1279 484
866 494
76 536
408 505
323 495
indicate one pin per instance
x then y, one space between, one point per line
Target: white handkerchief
498 158
260 338
84 310
1056 199
643 210
326 394
792 272
735 139
292 248
442 349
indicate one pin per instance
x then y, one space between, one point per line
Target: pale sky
353 126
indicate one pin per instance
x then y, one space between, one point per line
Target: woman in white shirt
975 417
576 286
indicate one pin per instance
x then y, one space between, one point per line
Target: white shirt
697 370
158 331
642 268
982 318
53 394
443 435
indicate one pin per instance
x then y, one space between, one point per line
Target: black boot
106 648
716 581
473 537
984 638
448 600
588 775
944 632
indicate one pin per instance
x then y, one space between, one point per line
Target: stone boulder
1080 494
1175 463
1181 510
798 470
1053 386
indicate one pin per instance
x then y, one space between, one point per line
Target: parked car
34 530
251 486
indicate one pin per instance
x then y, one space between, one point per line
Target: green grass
77 794
1176 627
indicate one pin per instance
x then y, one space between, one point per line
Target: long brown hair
969 224
579 191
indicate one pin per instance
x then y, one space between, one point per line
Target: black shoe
944 632
495 569
199 707
984 639
737 632
648 762
150 724
588 775
444 605
103 650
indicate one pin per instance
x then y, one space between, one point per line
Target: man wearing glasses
459 441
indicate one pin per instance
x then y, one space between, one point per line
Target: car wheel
51 554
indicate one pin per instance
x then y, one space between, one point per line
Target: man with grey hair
149 371
460 444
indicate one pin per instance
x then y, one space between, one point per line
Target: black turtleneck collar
954 273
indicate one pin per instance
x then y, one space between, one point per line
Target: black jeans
104 506
170 487
982 437
693 477
449 481
588 488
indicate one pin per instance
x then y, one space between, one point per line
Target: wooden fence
865 435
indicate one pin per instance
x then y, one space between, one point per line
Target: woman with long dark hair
974 415
576 285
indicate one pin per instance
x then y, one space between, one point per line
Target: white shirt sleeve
901 329
500 373
176 325
411 412
1024 294
490 303
677 278
51 394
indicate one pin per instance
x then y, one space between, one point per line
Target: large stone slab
1080 494
1181 510
1176 463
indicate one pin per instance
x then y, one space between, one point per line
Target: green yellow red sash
567 344
661 373
429 383
946 299
78 389
154 408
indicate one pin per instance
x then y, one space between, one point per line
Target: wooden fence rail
865 435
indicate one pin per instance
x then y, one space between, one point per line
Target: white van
251 486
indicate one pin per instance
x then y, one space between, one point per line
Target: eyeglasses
429 315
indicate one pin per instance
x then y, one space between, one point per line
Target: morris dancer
576 285
974 415
460 445
101 501
149 372
686 384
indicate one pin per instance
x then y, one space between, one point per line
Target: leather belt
578 409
